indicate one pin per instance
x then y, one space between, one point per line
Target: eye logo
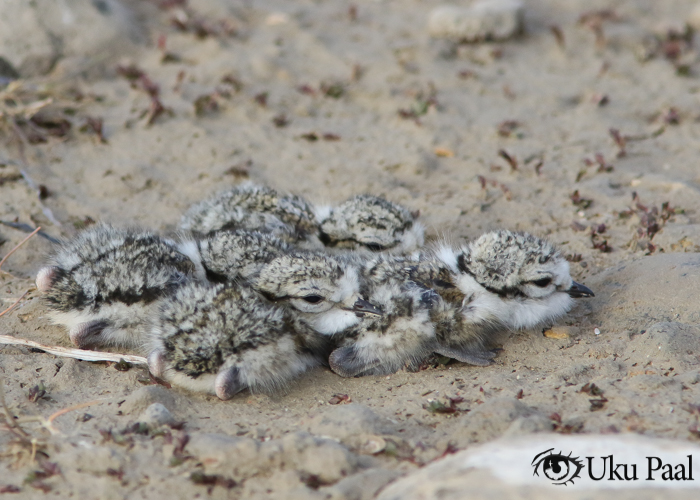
558 468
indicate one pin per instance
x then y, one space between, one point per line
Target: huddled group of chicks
259 286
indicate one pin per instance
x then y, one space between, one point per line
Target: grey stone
491 419
361 486
482 20
156 415
345 421
529 425
325 459
235 457
139 400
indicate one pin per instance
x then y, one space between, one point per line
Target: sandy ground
394 113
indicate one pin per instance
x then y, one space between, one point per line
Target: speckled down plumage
202 330
403 336
322 290
253 207
371 222
231 255
109 278
453 301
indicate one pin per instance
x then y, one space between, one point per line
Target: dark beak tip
362 306
578 290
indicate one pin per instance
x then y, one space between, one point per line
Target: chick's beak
362 306
578 290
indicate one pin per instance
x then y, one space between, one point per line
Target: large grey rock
240 458
233 457
34 35
325 459
667 343
504 469
659 288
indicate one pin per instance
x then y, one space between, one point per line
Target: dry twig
68 352
19 245
16 302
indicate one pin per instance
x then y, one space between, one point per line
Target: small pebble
597 331
694 17
559 332
483 20
156 415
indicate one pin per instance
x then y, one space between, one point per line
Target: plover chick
253 207
224 256
321 290
372 223
221 339
501 281
101 285
403 336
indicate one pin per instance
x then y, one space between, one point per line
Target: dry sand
322 68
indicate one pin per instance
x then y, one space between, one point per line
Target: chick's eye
313 299
542 282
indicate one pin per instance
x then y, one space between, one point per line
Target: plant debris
599 243
676 46
651 220
507 127
141 81
280 120
186 20
423 102
261 98
339 398
240 170
200 478
206 104
512 161
94 125
593 20
122 365
439 407
558 36
592 389
561 428
597 404
579 201
333 90
37 392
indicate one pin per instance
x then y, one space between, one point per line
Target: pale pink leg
87 334
228 383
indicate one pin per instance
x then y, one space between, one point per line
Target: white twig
68 352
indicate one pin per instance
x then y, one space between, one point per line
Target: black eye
542 282
313 299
